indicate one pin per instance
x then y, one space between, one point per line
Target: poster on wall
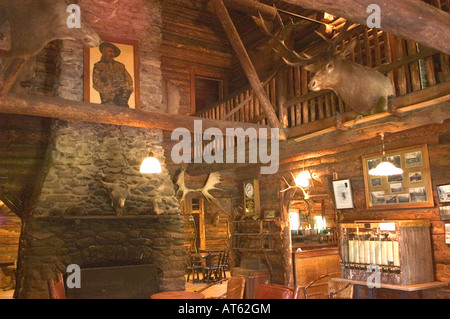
413 188
111 73
343 194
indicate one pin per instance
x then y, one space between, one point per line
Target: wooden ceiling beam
409 19
252 8
50 107
247 65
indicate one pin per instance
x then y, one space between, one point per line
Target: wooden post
286 251
247 65
10 73
281 91
400 18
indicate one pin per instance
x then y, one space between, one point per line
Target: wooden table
404 289
178 295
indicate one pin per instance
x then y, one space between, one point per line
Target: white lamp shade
151 166
385 169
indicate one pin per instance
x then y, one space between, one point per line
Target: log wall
347 164
217 218
10 226
193 44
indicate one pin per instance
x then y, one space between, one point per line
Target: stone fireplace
73 216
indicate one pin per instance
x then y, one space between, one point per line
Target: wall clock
251 199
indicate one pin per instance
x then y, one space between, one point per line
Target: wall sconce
151 165
304 181
385 168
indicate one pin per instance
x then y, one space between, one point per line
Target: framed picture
444 212
270 214
413 188
443 192
111 73
343 196
447 234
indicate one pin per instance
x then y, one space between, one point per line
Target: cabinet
398 252
256 237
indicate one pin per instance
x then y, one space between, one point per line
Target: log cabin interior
311 217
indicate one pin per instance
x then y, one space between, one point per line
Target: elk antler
292 57
213 180
305 190
279 46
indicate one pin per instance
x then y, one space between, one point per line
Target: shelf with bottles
390 247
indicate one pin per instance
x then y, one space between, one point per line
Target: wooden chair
324 288
270 291
56 290
235 288
193 266
223 264
211 267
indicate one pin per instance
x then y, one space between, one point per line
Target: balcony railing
410 67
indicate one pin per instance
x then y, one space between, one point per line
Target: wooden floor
213 291
8 294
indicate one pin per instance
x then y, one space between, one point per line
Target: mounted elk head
213 180
365 90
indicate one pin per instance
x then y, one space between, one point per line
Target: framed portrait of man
111 73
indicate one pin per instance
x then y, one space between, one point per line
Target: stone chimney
91 206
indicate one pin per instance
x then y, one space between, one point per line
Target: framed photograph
375 182
413 159
444 212
415 177
343 194
443 192
270 214
413 188
111 73
447 234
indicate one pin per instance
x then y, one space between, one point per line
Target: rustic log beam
253 8
421 114
409 19
247 65
44 106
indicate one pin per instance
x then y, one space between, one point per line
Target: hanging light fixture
303 179
151 165
385 168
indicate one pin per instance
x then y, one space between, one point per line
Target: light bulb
303 179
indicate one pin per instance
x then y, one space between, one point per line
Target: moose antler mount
213 180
